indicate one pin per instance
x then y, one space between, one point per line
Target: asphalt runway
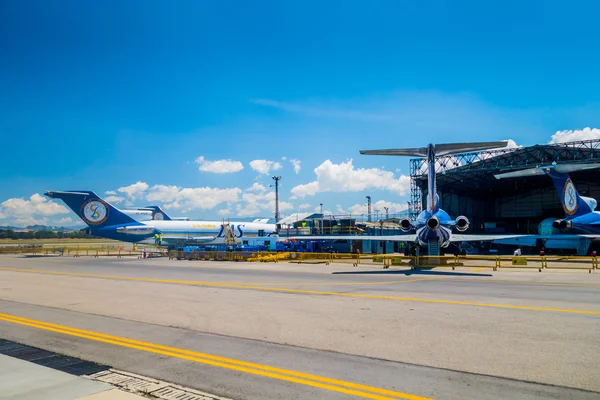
258 330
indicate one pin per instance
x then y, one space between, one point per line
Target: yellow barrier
387 260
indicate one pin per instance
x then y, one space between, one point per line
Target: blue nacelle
585 224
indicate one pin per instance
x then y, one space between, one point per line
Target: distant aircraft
433 225
580 215
105 220
150 213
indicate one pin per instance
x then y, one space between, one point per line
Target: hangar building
467 186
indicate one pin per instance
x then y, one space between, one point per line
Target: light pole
368 208
322 229
387 212
276 179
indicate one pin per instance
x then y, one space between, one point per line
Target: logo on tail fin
94 211
570 198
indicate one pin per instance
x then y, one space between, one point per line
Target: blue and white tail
573 204
158 213
92 209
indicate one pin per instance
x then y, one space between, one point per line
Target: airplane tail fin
92 209
158 213
570 199
573 204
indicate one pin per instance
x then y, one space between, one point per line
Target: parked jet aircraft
433 225
580 215
107 221
150 213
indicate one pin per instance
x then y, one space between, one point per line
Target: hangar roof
469 171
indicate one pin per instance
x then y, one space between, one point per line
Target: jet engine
462 223
405 225
433 223
562 224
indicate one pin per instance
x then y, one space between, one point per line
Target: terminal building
466 186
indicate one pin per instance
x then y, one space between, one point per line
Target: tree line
10 234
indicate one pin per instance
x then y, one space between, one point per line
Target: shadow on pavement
408 272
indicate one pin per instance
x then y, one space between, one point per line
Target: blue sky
103 96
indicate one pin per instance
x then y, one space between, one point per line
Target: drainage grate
70 365
131 382
150 387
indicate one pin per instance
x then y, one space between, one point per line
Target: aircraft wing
392 238
481 238
558 236
406 238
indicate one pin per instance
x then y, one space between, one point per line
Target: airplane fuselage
204 232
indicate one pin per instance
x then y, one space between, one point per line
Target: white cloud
394 208
248 210
296 165
283 206
186 199
264 166
484 156
284 158
219 166
344 177
304 206
114 199
306 189
260 204
111 192
64 220
135 190
32 211
575 135
321 111
224 212
257 187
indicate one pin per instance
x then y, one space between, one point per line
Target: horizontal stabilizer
440 149
562 168
415 152
455 148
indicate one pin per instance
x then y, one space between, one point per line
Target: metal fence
385 261
80 251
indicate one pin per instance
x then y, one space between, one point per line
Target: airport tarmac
258 330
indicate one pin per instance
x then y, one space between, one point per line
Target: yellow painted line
479 269
359 283
210 283
316 292
591 285
349 388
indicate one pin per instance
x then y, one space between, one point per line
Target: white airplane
433 226
105 220
149 213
